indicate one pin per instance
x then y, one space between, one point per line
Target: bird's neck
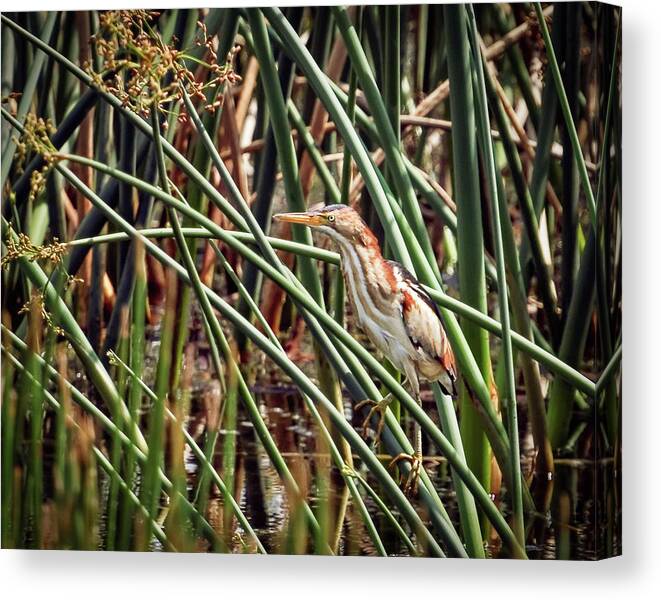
362 242
362 255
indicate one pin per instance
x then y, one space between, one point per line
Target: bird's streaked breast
368 283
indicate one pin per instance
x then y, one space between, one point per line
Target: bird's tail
448 384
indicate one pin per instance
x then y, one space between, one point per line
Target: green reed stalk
518 299
566 113
105 464
609 371
20 470
136 354
66 85
151 484
561 397
522 321
603 300
32 393
503 302
284 144
542 160
203 488
469 231
295 201
351 114
292 369
445 301
306 138
392 72
544 279
422 37
310 389
389 140
259 236
225 24
570 218
518 64
324 92
387 513
27 94
112 502
177 523
229 458
468 515
91 362
265 164
544 170
320 44
63 414
223 236
109 426
8 428
345 182
212 326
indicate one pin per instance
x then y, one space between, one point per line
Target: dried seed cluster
36 303
147 71
36 139
24 248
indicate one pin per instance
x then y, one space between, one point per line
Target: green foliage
134 147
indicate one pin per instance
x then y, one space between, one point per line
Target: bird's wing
423 321
410 279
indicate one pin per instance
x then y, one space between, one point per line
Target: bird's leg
410 482
377 407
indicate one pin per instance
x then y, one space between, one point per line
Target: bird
392 308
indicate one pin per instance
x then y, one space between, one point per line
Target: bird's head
338 221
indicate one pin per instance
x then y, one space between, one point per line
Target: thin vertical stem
503 303
566 113
470 239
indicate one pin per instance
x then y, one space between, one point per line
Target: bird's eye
331 218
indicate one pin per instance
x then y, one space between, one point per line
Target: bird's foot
377 407
409 482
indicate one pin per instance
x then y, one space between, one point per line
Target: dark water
582 522
582 519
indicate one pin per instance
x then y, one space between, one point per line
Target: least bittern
391 307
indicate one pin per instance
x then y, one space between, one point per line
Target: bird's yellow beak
310 219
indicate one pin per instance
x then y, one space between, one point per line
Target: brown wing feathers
417 325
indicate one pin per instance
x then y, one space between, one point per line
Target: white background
637 574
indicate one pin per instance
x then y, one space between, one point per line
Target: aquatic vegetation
182 373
